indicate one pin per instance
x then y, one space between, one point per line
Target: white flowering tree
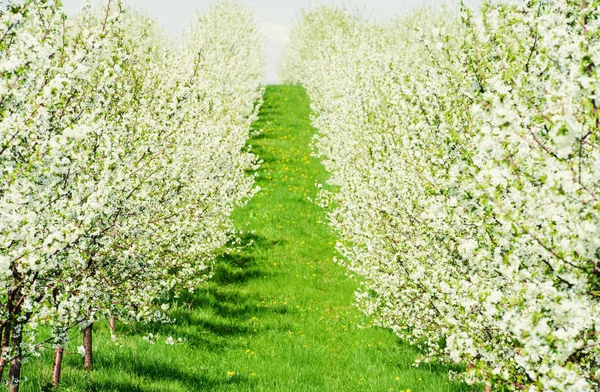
465 151
122 159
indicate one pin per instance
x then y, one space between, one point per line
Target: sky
274 16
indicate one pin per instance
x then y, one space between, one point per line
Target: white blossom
468 178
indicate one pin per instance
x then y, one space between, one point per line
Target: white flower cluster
466 152
121 159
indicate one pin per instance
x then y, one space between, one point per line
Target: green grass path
279 316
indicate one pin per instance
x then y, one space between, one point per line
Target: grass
279 316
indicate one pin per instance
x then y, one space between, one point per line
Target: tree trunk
111 323
488 388
4 345
87 344
14 374
57 365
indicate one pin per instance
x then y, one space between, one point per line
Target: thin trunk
57 365
8 332
111 323
14 373
5 342
87 344
1 340
488 388
1 346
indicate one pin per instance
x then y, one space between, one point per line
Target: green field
279 316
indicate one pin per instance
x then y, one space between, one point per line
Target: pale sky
274 16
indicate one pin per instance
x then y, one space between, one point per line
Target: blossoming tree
122 157
465 150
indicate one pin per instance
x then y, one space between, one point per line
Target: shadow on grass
264 135
220 309
206 319
163 371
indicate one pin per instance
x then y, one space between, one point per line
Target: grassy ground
277 317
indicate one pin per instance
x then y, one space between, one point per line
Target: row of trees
466 149
121 159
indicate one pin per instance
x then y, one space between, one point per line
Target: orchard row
121 158
466 151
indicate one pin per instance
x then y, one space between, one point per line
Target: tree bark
57 365
14 373
111 323
87 344
4 346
